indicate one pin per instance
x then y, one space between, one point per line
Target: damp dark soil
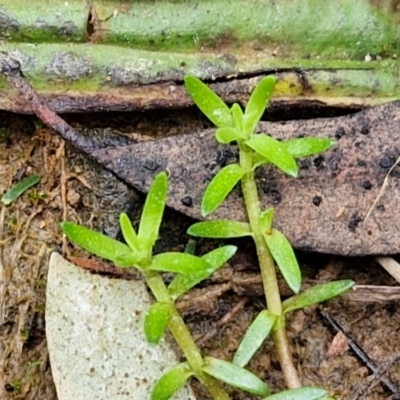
75 188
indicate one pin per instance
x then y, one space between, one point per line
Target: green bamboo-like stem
269 278
184 339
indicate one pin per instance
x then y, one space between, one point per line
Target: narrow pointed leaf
316 295
226 135
156 320
275 152
220 229
171 382
258 102
212 106
254 337
235 376
128 231
94 242
20 188
153 211
304 393
237 115
180 263
221 185
215 258
303 147
284 256
266 218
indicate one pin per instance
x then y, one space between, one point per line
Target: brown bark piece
347 178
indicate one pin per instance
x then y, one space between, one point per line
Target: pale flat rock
94 328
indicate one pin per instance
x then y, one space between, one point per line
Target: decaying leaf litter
310 336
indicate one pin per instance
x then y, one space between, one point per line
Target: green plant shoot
273 248
189 270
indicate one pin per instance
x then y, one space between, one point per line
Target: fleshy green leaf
221 185
226 135
304 393
95 243
16 191
284 256
254 337
258 102
133 259
259 160
235 376
156 320
266 218
128 232
237 115
171 382
215 258
181 263
316 295
220 229
152 212
303 147
274 151
212 106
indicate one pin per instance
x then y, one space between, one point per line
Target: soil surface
75 188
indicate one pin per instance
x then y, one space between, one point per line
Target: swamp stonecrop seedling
273 248
272 245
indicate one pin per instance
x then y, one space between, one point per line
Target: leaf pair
222 370
139 246
233 125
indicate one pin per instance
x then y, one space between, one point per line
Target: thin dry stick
383 188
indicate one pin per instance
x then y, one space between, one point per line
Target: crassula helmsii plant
272 248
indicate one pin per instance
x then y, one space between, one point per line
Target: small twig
382 190
223 321
377 371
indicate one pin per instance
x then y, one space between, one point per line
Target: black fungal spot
361 163
367 185
339 133
381 207
304 164
276 197
355 219
319 163
272 192
9 388
387 161
364 130
317 200
187 201
151 165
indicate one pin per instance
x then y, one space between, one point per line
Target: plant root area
218 312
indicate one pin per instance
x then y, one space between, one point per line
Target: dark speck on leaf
151 165
187 201
319 163
339 133
317 200
361 163
387 161
276 196
354 221
364 130
367 185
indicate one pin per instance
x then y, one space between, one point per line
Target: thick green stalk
268 273
184 339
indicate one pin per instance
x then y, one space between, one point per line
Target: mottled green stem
184 339
268 273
